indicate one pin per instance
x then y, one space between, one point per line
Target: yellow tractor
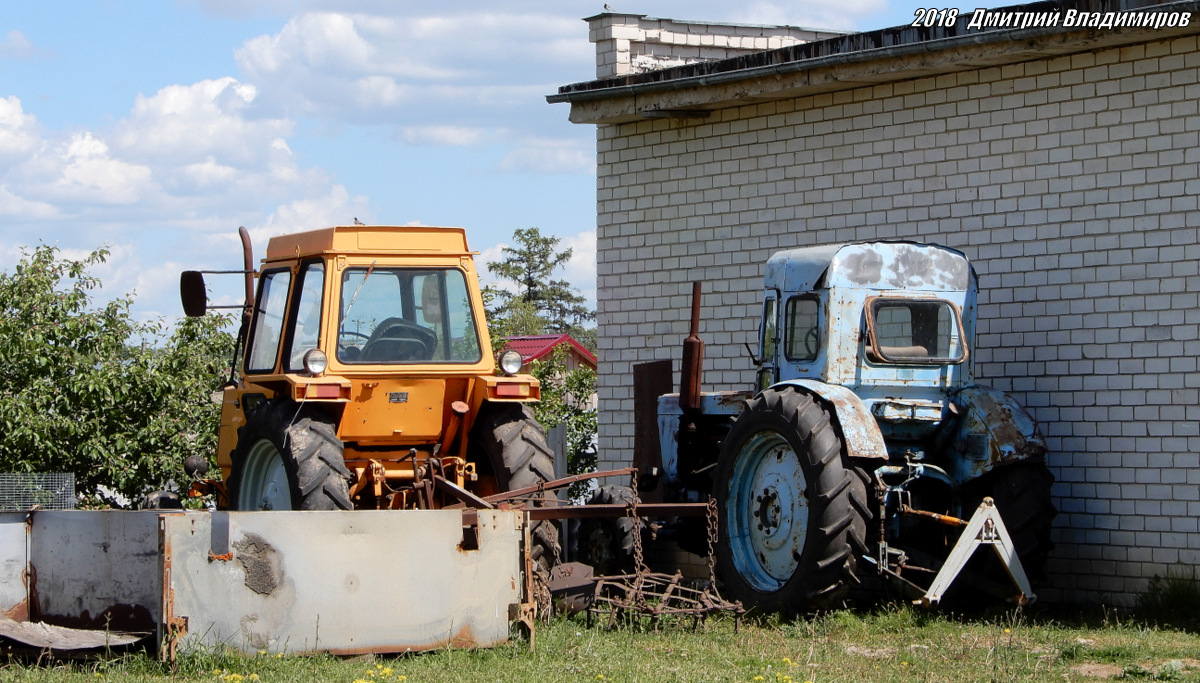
367 381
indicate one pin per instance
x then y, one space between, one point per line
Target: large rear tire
516 448
1021 492
793 512
288 457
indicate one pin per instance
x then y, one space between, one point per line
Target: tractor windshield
406 315
914 331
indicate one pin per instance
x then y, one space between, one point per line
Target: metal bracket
984 528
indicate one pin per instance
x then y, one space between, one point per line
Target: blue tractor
865 441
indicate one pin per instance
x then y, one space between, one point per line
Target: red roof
534 347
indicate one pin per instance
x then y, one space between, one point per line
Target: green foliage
91 391
547 306
518 319
566 399
530 265
1172 599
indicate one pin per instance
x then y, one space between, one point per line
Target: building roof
861 59
534 347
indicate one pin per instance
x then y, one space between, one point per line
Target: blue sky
156 128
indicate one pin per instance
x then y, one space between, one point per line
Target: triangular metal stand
984 528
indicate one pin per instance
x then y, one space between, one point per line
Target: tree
543 305
530 265
91 391
566 400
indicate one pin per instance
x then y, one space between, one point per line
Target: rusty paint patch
260 562
461 639
18 612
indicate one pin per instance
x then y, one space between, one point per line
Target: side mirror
193 293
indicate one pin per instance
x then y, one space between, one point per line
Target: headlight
315 361
510 362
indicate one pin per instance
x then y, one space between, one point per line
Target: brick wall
1071 182
633 43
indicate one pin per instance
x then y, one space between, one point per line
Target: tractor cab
366 379
890 321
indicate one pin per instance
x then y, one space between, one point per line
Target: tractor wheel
516 448
606 543
288 458
793 511
1021 492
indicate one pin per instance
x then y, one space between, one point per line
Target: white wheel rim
264 480
767 512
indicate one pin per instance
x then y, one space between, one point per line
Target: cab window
406 315
802 338
306 332
914 331
267 326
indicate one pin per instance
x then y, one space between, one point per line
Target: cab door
768 342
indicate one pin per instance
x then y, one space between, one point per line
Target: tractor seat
898 352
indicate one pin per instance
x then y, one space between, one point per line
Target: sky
156 128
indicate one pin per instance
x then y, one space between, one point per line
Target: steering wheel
811 342
397 339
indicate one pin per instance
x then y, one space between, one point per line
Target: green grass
889 643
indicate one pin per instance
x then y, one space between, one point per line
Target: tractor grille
48 491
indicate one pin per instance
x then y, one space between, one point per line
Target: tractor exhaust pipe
693 359
248 262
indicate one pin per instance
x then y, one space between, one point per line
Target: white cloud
14 45
337 207
580 269
441 135
18 130
192 122
425 69
91 174
550 156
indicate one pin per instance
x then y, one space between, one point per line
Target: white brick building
1066 164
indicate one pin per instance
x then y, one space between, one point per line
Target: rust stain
461 639
223 557
18 612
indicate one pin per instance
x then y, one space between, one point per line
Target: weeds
892 643
1173 599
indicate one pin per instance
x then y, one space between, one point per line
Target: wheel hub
767 518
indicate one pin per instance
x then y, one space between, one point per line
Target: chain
711 518
639 562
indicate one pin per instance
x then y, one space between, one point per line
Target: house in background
540 346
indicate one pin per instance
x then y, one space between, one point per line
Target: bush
91 391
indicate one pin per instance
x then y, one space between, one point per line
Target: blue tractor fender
859 430
992 430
